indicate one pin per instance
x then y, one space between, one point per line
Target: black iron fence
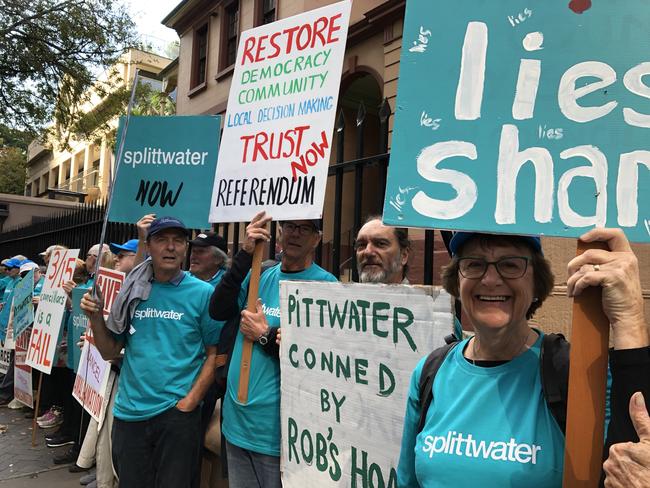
356 189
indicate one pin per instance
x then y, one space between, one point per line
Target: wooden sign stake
251 306
587 385
38 406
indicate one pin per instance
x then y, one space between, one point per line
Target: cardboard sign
76 328
5 360
92 373
347 355
278 129
23 308
23 391
167 168
49 314
523 118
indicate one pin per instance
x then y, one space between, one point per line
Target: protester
47 254
382 252
107 260
252 430
208 257
501 281
125 255
160 319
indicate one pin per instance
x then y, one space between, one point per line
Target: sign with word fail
49 314
23 391
167 168
347 355
23 306
92 374
523 117
278 128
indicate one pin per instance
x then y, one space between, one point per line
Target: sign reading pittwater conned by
92 374
23 307
23 388
278 128
49 314
347 355
523 117
167 168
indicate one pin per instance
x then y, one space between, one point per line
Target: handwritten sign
523 117
23 391
22 306
92 373
76 328
278 130
347 355
49 314
167 168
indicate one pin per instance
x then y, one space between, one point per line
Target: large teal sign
523 117
23 306
167 168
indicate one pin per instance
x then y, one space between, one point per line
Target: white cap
28 266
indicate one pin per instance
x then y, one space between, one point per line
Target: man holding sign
160 319
252 429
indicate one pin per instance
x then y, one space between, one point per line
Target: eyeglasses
91 255
510 267
304 229
124 255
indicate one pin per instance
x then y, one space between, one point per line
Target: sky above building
147 15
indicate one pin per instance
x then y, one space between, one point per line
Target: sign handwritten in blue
23 306
77 325
167 168
523 117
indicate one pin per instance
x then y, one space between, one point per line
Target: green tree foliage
12 170
51 51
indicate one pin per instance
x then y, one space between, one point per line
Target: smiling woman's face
492 301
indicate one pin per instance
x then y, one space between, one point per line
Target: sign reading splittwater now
347 355
523 117
167 168
49 314
278 129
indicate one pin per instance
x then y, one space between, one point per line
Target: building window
265 12
230 30
199 56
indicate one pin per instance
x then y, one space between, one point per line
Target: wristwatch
264 338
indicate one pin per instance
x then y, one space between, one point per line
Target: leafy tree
51 51
12 170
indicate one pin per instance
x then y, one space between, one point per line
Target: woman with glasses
489 423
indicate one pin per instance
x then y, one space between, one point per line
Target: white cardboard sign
347 355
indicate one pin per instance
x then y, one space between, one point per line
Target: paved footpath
24 466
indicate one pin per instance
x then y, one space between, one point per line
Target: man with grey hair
382 253
208 257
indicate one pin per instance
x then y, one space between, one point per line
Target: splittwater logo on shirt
458 444
154 313
271 311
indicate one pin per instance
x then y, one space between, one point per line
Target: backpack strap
429 370
554 372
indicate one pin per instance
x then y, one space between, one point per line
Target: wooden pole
585 431
251 306
38 406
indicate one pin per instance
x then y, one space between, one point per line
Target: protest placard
167 168
347 355
93 371
23 308
278 128
520 118
23 391
5 359
49 314
80 323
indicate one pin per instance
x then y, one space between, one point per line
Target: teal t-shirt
3 283
256 425
487 427
214 281
38 286
165 348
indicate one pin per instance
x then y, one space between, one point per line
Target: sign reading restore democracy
49 314
92 375
278 129
167 168
347 355
523 117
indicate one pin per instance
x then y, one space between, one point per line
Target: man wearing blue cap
160 318
125 255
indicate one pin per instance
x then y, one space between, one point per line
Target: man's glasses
304 229
511 267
